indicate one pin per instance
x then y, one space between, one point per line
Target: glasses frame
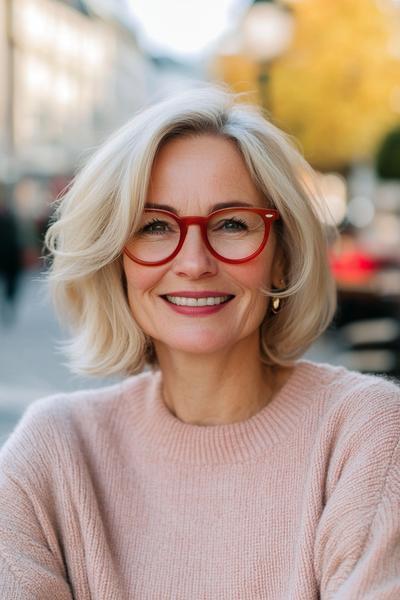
269 215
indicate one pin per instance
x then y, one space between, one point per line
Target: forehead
198 172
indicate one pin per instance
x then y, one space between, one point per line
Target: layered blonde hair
103 205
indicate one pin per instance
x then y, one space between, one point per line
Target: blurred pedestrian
10 260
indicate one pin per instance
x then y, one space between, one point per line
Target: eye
232 224
156 226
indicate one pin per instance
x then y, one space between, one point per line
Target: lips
200 303
206 301
204 294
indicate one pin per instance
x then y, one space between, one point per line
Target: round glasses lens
236 234
157 237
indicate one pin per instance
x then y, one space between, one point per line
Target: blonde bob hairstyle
103 205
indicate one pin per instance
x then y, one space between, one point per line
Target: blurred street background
325 71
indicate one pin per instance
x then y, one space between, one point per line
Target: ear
278 276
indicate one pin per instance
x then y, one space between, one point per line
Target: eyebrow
217 206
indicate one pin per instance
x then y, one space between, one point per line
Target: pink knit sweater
105 495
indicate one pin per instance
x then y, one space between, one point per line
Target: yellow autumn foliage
337 89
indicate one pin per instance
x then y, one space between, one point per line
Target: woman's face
191 175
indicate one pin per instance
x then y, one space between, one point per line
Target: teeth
197 301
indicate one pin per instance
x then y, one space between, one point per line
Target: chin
196 344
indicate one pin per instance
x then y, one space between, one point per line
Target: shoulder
53 428
57 408
359 426
346 393
356 415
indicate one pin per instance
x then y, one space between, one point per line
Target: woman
231 468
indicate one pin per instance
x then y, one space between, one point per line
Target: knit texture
106 495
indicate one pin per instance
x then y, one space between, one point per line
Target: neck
219 388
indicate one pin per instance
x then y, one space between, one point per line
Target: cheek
254 274
140 279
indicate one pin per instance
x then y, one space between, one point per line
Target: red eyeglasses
233 235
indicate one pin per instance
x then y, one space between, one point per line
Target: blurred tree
337 89
388 156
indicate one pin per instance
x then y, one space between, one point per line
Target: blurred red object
353 266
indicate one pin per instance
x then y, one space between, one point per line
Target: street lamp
267 33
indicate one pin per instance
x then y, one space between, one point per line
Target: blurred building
71 72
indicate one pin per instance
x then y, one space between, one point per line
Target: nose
194 260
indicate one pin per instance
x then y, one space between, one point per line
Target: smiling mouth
208 301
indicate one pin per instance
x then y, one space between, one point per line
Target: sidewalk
30 364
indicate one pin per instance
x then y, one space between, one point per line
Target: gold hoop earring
276 301
276 305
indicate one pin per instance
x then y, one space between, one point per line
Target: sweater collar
165 438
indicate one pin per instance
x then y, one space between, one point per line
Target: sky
184 28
